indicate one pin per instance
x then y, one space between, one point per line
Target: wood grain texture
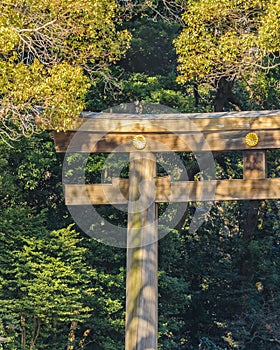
220 190
107 132
177 122
87 142
179 191
142 261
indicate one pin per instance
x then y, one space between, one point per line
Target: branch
267 68
35 29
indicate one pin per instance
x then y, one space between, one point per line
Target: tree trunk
142 265
196 94
71 335
23 331
36 332
224 93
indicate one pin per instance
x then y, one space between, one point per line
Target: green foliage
227 38
141 87
260 91
174 296
151 50
48 51
41 278
51 276
30 173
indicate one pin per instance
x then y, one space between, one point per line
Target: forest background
60 289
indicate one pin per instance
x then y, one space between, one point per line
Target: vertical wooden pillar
142 255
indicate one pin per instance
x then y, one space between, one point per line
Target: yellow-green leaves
53 30
269 32
48 51
56 93
8 38
62 95
226 38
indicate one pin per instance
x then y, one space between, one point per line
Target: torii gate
142 136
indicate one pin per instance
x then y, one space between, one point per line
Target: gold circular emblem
251 139
139 142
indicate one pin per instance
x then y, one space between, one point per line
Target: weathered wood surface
142 265
164 142
179 191
178 122
225 190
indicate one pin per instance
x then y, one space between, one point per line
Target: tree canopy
228 39
49 51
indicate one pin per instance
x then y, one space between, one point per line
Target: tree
228 40
68 288
41 278
48 53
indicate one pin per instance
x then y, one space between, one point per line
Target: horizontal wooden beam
177 122
179 191
225 190
164 142
116 193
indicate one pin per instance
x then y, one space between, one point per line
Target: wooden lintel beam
179 191
87 142
177 122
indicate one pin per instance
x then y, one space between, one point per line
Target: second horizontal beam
179 191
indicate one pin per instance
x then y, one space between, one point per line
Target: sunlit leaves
48 52
269 33
227 38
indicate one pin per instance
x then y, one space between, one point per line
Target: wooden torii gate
142 136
